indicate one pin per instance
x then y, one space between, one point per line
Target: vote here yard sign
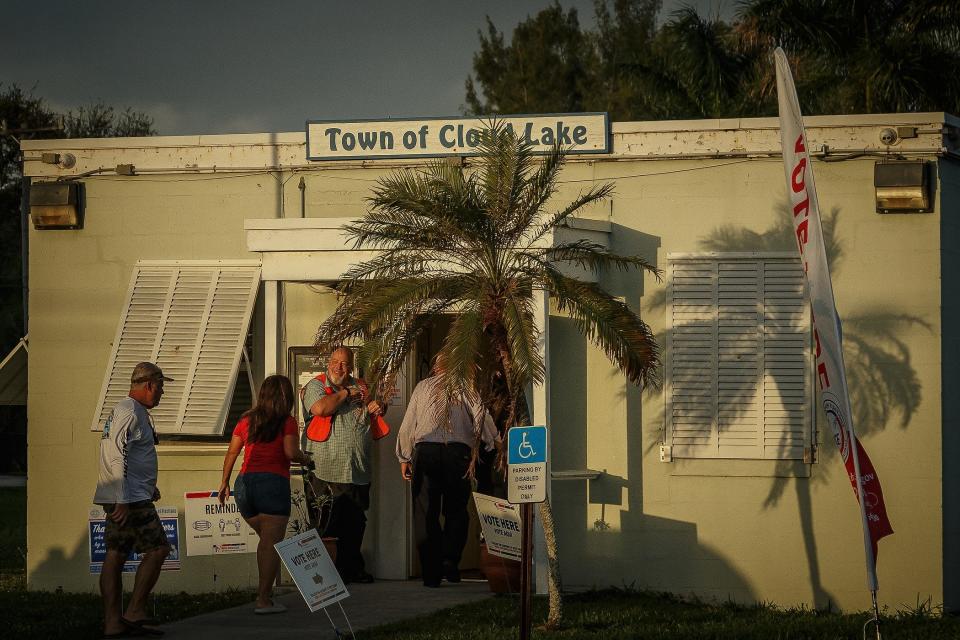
527 464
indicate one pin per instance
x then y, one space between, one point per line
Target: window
738 357
191 318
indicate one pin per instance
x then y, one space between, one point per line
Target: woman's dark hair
274 403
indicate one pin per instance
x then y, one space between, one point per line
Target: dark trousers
347 523
439 486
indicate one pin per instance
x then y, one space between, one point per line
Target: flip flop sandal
141 628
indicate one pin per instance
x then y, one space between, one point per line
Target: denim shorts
262 492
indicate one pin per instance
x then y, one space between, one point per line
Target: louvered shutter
738 354
692 364
740 415
787 391
191 319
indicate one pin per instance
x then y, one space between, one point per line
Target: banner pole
872 583
526 511
876 613
827 332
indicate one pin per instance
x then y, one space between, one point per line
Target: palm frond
608 323
403 263
386 349
540 187
374 305
594 194
524 339
386 227
504 165
590 255
462 353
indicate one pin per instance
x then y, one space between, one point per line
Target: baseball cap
147 372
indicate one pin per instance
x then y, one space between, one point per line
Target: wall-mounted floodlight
902 186
56 205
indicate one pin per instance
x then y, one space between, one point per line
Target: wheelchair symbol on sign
525 449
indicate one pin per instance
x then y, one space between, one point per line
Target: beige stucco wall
78 280
724 529
754 530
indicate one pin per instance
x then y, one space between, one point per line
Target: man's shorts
262 492
142 531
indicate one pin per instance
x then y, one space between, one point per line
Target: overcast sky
258 66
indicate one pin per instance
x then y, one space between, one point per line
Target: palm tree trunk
554 585
518 412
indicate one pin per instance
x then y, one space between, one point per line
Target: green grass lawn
616 614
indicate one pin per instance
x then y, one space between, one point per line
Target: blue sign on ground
527 445
98 545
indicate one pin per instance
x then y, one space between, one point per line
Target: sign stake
526 564
527 458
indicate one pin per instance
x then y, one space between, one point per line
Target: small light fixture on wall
56 205
902 186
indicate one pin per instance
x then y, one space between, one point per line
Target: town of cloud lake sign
436 137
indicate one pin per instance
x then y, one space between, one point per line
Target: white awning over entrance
311 249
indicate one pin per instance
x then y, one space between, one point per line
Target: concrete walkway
369 605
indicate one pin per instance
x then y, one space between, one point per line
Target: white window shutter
740 412
692 366
787 428
191 319
738 358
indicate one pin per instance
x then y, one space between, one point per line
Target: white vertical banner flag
831 375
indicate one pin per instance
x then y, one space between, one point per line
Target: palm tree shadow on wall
884 386
643 550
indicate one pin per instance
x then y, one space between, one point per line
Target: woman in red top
269 434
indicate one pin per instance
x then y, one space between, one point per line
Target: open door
385 544
388 538
427 347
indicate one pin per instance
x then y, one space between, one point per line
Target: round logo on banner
832 408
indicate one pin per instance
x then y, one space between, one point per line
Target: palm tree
477 242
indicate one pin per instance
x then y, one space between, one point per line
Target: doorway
427 346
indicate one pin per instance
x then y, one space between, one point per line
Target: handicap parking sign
527 464
526 445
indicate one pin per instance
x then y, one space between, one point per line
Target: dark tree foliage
24 116
861 56
850 56
545 68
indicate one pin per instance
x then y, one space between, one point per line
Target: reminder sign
500 523
312 570
527 464
366 139
213 528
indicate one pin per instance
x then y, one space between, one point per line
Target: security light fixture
56 205
902 186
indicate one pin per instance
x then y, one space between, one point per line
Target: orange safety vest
319 427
